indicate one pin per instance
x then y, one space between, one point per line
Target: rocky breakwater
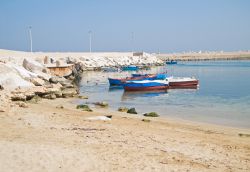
31 81
96 61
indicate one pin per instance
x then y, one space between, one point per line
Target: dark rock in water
84 107
151 114
1 87
123 109
132 111
102 104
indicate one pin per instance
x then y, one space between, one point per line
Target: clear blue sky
158 25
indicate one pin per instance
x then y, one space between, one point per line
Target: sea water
223 95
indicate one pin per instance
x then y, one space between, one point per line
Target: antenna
90 41
30 34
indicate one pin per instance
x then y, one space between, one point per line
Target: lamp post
90 41
132 41
30 34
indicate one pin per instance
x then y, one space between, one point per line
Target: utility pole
90 41
30 34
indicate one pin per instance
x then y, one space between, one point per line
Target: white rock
37 81
102 118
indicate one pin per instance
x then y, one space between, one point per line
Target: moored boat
139 77
130 68
171 62
146 85
183 82
121 81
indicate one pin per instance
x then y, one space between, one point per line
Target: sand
44 137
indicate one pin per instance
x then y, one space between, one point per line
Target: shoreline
163 118
69 140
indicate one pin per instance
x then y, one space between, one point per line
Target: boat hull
184 84
145 85
130 68
117 82
171 62
120 82
149 88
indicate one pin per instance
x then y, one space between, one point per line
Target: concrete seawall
205 56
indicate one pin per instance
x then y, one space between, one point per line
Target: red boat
146 85
183 82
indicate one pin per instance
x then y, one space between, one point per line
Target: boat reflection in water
115 88
143 94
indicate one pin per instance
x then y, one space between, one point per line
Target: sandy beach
52 135
47 137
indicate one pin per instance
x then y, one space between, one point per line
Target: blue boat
130 68
121 81
146 85
171 62
118 82
155 76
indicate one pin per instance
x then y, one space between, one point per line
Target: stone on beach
83 97
35 99
132 111
84 107
69 92
145 120
102 104
151 114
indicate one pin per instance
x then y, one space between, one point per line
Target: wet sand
44 137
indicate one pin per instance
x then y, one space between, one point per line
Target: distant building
138 54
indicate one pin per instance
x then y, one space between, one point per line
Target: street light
90 41
132 41
30 34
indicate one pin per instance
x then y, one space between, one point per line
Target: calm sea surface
223 96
